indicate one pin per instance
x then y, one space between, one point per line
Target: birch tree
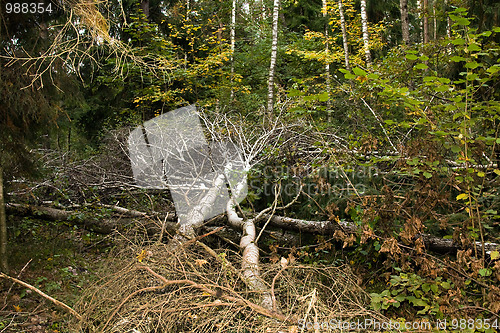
274 51
327 51
405 22
344 35
366 38
233 34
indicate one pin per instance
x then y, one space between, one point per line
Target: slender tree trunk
426 22
4 267
145 8
421 21
327 54
344 35
435 20
366 38
405 22
233 34
448 20
274 51
448 26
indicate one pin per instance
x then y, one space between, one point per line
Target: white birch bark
250 260
327 60
419 11
274 51
435 20
233 35
366 38
196 215
344 35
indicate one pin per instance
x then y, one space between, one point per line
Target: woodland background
373 126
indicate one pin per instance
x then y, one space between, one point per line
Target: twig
279 208
41 293
237 298
272 287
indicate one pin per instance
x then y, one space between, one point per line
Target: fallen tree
153 224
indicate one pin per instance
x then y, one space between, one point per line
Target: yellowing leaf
494 255
200 262
462 196
142 255
17 308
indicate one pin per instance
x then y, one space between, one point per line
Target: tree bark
4 266
366 38
250 259
431 242
327 60
99 225
344 36
405 22
233 35
274 51
145 8
426 22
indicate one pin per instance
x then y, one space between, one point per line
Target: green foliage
411 289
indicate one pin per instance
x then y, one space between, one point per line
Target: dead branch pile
196 289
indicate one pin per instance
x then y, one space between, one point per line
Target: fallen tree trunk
250 262
431 242
103 225
107 225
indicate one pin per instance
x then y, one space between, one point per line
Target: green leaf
323 97
471 65
358 71
458 41
473 48
497 171
480 174
485 272
411 57
446 285
294 93
427 174
434 288
443 88
457 59
421 66
349 76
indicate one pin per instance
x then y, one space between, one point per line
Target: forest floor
59 260
115 284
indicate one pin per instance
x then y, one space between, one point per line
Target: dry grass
195 289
